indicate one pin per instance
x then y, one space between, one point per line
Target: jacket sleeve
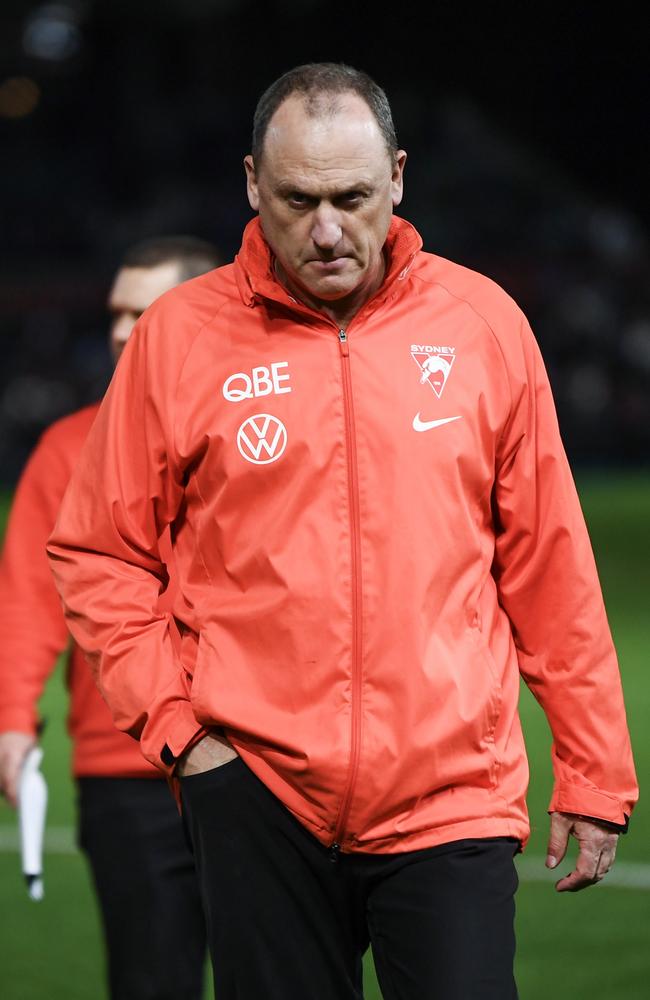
105 552
32 627
548 586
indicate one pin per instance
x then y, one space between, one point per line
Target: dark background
528 140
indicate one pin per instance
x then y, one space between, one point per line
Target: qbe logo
262 381
262 434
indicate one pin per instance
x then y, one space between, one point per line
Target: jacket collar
256 277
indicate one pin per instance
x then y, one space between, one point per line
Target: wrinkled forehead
341 128
135 288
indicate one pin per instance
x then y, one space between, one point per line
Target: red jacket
374 532
32 625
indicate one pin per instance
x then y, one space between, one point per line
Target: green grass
570 947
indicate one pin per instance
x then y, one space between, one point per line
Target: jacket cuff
605 823
19 720
172 736
170 759
591 804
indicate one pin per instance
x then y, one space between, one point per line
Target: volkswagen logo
262 435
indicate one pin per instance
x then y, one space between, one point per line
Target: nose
326 228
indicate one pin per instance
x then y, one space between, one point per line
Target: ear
251 183
397 178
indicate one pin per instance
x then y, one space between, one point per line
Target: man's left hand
596 855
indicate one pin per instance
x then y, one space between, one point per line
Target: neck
341 311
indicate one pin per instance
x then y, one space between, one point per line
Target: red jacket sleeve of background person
32 627
33 631
375 534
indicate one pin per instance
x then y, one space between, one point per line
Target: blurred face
134 289
325 191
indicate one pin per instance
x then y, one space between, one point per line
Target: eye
297 200
351 199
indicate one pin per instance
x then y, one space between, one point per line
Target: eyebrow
286 188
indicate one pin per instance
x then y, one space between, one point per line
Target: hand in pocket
212 751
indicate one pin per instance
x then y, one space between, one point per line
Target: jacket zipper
355 534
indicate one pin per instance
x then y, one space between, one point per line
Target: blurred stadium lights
19 96
52 32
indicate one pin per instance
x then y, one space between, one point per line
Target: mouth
328 266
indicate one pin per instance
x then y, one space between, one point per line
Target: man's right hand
14 747
212 751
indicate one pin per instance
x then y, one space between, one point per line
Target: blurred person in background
376 533
129 825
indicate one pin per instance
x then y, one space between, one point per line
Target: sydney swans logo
262 434
434 364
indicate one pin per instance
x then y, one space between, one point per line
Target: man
128 823
367 558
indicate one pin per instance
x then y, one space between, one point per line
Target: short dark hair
315 81
193 255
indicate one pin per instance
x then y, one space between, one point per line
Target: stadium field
571 947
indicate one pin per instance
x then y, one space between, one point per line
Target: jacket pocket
494 701
493 706
202 690
188 652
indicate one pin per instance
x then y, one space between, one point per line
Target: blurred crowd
106 145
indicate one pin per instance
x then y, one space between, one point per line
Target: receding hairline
327 108
322 88
323 104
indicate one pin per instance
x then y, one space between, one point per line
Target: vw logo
262 434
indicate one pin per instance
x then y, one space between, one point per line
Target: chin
332 289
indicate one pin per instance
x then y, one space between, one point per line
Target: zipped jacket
376 531
33 630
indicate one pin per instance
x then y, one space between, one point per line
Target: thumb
558 839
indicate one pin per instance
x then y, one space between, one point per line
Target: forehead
135 288
341 144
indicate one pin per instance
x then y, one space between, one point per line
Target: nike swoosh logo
427 425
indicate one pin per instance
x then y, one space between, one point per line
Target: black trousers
286 922
147 887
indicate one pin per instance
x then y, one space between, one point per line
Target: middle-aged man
129 826
376 531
